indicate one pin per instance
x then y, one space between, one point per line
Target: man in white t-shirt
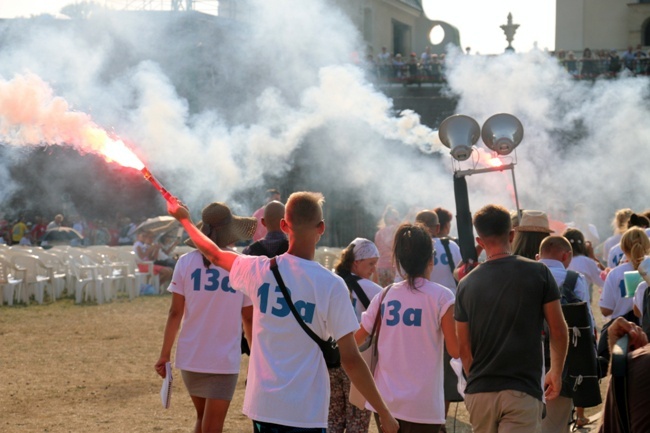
288 383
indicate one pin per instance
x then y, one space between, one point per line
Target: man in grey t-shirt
500 308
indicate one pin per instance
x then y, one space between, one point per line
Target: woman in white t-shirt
613 301
582 261
417 321
358 262
208 351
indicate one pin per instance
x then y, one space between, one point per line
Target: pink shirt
411 329
384 241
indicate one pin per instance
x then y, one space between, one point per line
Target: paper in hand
166 389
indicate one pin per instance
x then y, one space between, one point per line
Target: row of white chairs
93 274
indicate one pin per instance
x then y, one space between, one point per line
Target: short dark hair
427 218
492 221
444 216
553 245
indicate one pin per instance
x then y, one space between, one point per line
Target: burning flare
30 115
487 159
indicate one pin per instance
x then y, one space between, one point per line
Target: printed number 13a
305 309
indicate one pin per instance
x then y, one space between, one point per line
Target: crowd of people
608 63
415 327
120 230
429 67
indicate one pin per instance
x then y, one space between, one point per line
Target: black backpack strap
450 259
568 287
571 280
287 297
352 282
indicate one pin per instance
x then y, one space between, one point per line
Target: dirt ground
80 368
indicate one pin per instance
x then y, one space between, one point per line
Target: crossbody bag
329 347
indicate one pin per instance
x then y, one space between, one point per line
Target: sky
479 28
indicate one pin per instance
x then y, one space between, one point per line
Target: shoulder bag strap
450 259
287 297
353 283
377 325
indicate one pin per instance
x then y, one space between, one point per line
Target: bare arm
247 323
171 329
449 332
559 342
360 336
217 256
464 345
606 311
620 327
357 370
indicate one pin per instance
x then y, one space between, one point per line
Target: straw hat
224 228
534 221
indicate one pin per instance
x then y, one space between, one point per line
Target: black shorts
265 427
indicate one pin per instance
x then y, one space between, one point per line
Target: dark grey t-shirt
502 301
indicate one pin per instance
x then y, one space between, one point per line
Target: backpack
567 296
567 293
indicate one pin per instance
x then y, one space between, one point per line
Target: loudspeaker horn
502 133
459 133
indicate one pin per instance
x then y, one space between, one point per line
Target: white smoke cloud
283 93
583 141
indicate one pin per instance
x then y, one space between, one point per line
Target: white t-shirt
370 289
588 268
638 295
409 372
441 272
288 381
613 296
210 338
615 256
609 243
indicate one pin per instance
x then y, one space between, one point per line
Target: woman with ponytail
613 303
416 323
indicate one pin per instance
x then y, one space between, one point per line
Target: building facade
601 24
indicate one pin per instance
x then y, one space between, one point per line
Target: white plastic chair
87 276
38 280
12 280
56 265
86 281
141 277
117 269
